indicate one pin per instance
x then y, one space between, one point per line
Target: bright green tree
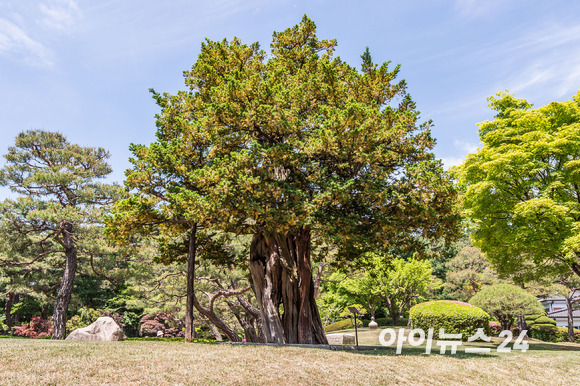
400 283
506 302
61 205
522 187
299 145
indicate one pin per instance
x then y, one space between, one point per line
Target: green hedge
549 333
345 324
455 317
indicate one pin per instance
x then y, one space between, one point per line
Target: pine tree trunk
522 325
8 308
281 273
571 337
190 333
395 318
15 316
66 285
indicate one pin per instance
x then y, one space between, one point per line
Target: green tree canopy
466 273
297 145
522 188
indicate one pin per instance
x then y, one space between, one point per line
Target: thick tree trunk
281 273
570 320
8 308
66 284
190 333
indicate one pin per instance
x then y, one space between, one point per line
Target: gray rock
341 338
103 329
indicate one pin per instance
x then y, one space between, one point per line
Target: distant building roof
563 314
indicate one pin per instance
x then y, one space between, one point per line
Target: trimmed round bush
530 318
543 320
455 317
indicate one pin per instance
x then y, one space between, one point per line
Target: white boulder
103 329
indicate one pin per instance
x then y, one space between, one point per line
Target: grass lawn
27 361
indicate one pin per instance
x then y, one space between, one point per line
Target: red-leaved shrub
165 322
38 328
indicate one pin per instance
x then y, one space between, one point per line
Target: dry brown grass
138 362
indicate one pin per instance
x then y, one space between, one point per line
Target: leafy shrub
38 328
531 318
4 329
544 320
495 328
165 322
455 317
550 333
345 324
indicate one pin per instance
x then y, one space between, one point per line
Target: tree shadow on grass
461 354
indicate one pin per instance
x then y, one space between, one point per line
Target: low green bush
530 318
345 324
543 320
550 333
455 317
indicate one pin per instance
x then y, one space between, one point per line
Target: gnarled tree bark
66 284
8 308
281 273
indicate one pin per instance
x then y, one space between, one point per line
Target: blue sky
84 67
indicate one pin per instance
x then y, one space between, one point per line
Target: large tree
60 207
298 144
522 187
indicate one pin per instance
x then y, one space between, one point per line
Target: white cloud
14 41
452 161
465 146
548 62
59 14
461 150
480 8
